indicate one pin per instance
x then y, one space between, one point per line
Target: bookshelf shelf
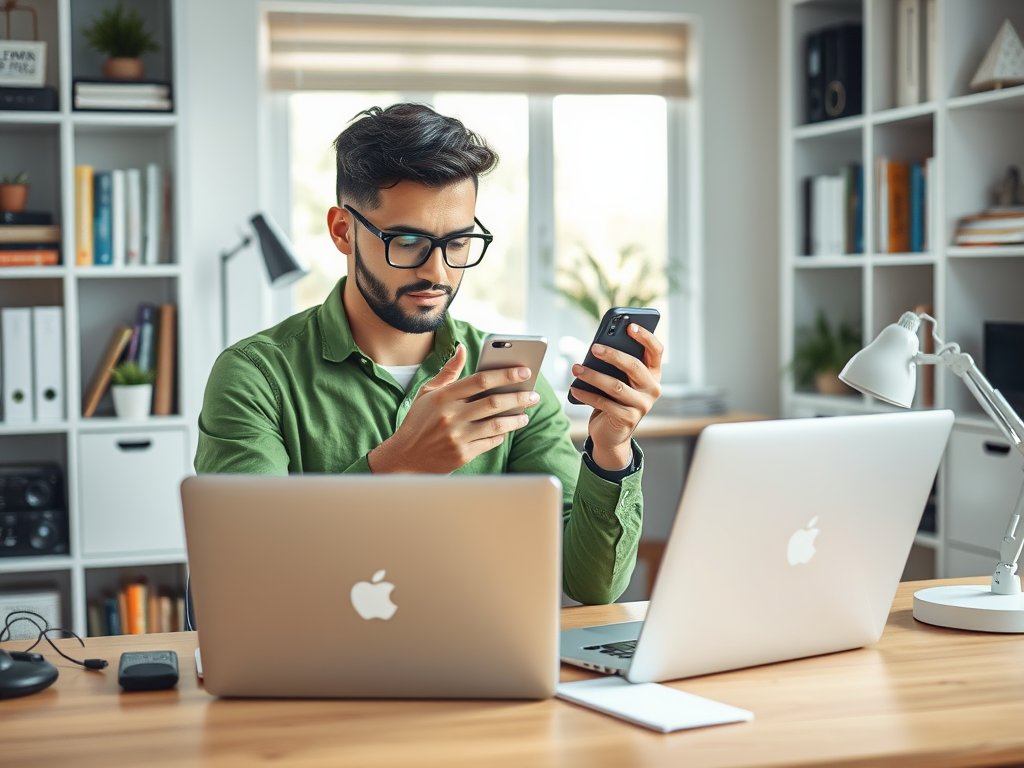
974 138
95 301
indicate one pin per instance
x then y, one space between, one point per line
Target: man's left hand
613 420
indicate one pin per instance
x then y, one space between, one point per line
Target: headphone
30 616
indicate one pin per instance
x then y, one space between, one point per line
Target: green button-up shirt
302 397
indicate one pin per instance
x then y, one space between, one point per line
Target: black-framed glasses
408 250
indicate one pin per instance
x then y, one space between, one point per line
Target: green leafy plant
130 375
19 178
120 34
593 288
821 348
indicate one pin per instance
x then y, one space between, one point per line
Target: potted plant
133 391
13 192
821 352
122 36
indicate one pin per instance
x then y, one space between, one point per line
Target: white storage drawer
984 474
130 495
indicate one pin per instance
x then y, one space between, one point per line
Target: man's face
410 300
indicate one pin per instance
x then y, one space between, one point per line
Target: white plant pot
133 402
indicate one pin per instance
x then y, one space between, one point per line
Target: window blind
338 51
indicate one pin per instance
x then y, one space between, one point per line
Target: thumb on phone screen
449 373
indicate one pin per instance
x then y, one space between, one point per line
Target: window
583 180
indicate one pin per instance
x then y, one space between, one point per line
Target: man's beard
375 293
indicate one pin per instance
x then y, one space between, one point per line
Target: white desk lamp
887 369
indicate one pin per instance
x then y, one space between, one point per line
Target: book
40 218
122 611
101 375
899 207
137 597
83 215
128 96
908 55
133 217
153 615
146 357
881 204
29 233
126 103
916 207
112 614
154 213
29 258
931 51
858 219
131 354
118 219
163 386
102 218
123 89
94 619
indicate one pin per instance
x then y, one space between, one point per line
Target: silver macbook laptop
363 586
790 540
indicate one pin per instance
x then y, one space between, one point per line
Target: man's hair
406 142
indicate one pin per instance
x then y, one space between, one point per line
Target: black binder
835 66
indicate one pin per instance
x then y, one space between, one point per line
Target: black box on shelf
834 67
33 513
29 99
1004 361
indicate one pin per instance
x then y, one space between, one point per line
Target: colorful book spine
899 208
102 218
858 216
133 218
83 215
136 594
163 386
118 223
29 258
916 208
112 614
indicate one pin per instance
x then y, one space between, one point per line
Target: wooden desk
923 696
670 426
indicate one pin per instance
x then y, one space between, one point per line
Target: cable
5 633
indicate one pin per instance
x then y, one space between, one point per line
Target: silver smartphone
505 351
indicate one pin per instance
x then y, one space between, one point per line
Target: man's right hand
445 429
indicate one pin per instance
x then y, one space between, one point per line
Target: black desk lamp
283 266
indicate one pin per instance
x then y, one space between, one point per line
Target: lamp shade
885 368
283 265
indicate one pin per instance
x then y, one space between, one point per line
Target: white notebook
651 705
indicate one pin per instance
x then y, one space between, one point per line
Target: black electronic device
834 61
148 670
1004 361
24 673
612 332
33 513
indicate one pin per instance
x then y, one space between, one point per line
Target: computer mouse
5 661
26 673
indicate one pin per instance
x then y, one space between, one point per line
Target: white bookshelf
95 299
974 138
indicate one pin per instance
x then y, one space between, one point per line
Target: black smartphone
612 333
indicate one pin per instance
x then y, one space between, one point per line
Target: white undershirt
402 374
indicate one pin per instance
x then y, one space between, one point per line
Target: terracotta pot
124 69
828 383
13 197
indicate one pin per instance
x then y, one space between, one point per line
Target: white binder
16 327
133 182
48 357
154 211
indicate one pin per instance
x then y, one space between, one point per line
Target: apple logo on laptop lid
801 544
373 601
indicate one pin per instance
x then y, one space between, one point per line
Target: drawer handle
997 448
142 445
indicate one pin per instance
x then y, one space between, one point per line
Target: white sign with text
22 63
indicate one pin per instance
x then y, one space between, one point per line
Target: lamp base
971 607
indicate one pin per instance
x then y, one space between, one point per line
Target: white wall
739 87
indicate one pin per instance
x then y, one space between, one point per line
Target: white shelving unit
974 138
48 145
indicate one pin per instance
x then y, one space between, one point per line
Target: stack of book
685 401
137 609
122 217
834 213
1003 225
903 201
152 345
28 239
122 96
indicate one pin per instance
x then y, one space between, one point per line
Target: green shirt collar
336 334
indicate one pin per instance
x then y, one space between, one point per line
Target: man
380 378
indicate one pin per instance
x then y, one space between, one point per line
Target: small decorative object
13 192
592 288
1010 191
122 36
821 352
22 62
133 391
1004 62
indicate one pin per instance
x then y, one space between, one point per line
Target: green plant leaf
129 375
119 33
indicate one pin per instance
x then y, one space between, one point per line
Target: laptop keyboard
623 650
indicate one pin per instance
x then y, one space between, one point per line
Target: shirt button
407 402
365 361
